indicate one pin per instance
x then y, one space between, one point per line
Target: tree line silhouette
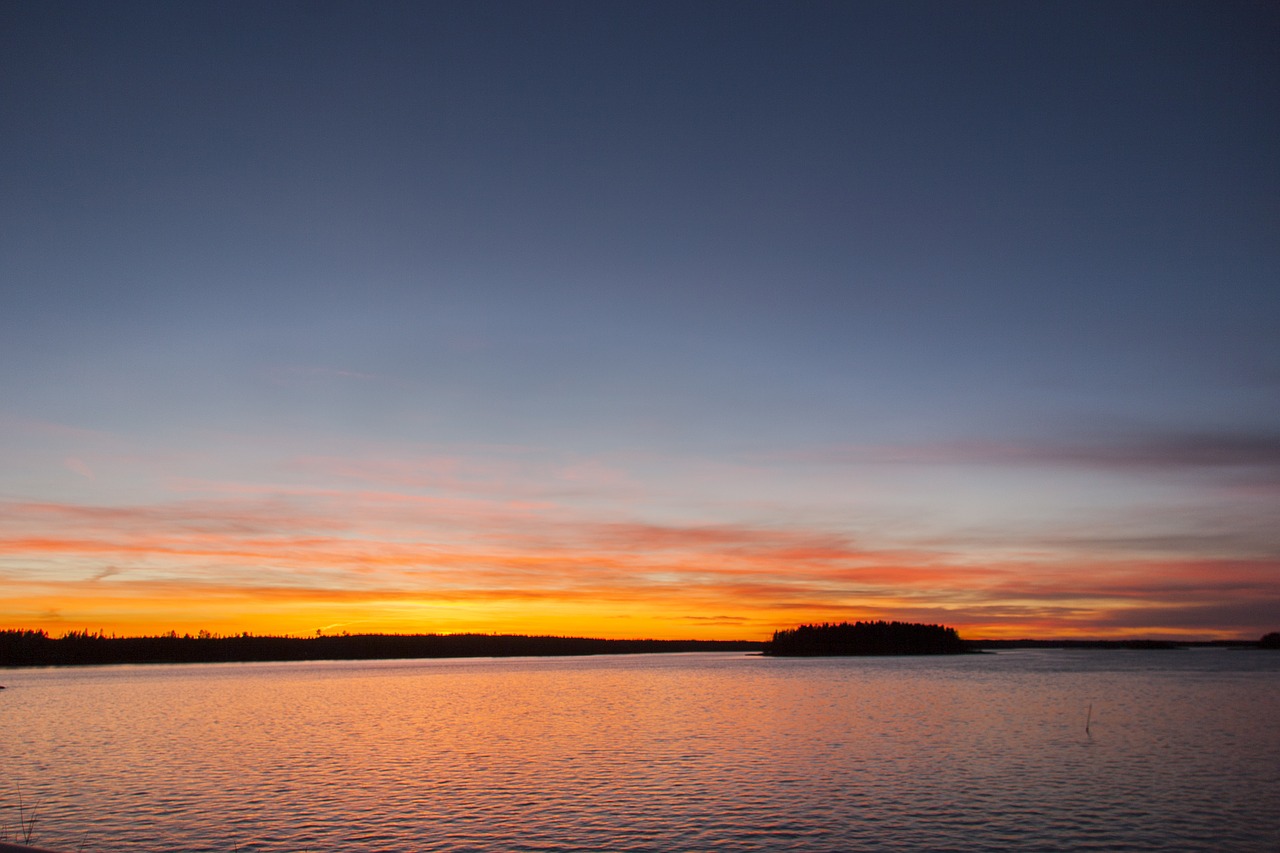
37 648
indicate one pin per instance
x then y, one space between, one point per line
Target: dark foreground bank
20 848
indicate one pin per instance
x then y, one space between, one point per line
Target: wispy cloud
497 472
77 466
293 374
35 426
1154 451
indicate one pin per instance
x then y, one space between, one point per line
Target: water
653 753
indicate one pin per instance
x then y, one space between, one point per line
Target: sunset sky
640 319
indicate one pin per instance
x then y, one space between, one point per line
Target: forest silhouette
37 648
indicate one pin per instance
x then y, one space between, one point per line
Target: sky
640 319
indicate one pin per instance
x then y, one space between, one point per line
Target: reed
27 817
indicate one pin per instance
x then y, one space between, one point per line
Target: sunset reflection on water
655 752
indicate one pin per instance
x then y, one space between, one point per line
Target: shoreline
37 650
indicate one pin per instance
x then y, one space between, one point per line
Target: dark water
653 753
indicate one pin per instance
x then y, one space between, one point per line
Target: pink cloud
77 466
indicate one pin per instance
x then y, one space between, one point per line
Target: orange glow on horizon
142 609
292 569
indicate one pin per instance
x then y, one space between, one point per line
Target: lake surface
709 751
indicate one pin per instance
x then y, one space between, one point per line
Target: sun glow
452 546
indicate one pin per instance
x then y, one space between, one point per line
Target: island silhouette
866 638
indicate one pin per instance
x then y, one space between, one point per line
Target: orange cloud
294 560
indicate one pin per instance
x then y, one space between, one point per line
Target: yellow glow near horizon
302 613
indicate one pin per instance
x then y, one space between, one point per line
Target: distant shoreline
1132 645
35 649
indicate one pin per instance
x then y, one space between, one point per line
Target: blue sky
973 287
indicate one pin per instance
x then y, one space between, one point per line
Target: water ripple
654 753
